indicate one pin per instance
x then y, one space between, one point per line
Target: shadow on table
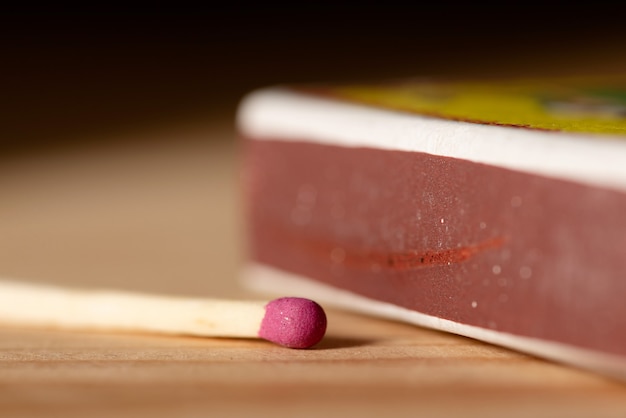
330 342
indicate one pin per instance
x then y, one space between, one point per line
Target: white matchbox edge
282 114
265 279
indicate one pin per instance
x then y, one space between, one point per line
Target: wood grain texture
161 214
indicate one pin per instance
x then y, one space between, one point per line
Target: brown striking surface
162 215
471 243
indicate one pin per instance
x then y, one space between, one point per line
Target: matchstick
290 322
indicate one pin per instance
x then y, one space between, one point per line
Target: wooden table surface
158 211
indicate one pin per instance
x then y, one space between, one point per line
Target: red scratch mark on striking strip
395 261
416 259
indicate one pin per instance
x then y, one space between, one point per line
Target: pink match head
293 322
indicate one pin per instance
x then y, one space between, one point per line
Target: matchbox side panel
472 243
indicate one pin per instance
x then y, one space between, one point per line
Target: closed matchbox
494 210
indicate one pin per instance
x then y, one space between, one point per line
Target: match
289 322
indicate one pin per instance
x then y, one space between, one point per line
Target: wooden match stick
290 322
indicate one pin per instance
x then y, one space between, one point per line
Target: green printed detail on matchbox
574 105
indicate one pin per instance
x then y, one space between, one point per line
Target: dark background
69 75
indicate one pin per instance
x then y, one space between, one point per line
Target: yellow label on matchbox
575 105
